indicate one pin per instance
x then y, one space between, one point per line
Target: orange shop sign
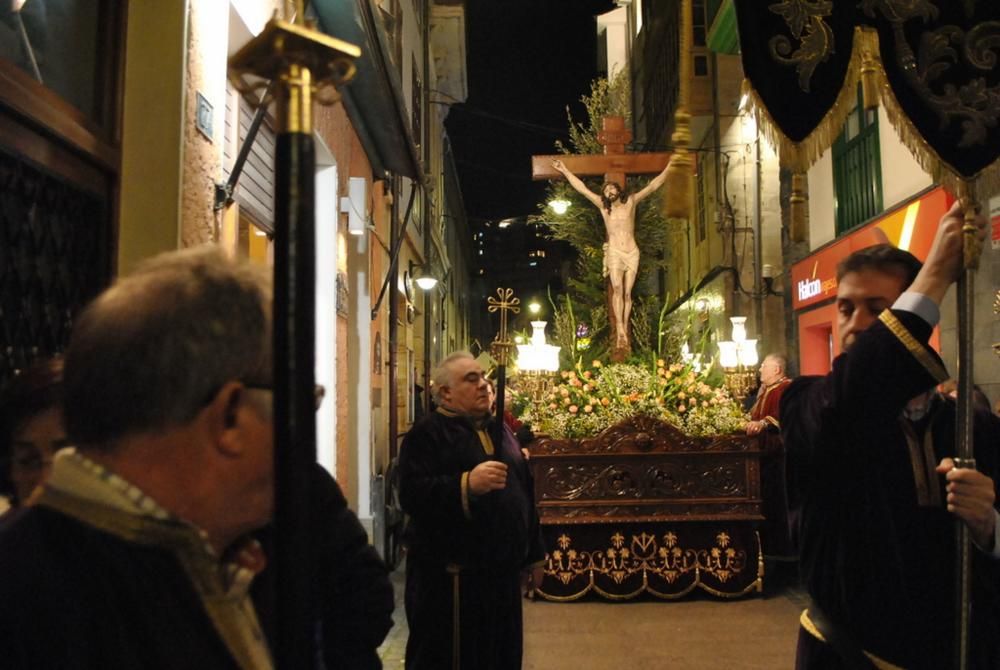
910 226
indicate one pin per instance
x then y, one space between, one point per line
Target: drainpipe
758 242
426 200
394 233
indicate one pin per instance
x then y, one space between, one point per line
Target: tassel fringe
866 66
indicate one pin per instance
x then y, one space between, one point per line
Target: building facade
132 139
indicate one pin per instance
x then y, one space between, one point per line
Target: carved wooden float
644 508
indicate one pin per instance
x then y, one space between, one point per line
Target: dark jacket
875 558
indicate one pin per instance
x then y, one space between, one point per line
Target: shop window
66 46
857 172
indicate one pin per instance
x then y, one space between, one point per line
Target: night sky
527 60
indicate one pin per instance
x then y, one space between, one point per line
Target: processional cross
501 349
615 164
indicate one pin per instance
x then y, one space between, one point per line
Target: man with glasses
139 552
473 529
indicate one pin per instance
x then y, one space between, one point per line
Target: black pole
498 428
302 60
294 396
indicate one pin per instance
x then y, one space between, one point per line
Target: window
698 22
392 19
857 171
68 47
700 64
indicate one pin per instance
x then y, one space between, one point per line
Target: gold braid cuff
810 628
466 509
918 350
771 420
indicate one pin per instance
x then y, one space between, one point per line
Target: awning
373 100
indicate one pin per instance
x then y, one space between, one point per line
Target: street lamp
559 206
738 358
425 281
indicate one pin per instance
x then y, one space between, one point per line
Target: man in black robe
473 530
867 448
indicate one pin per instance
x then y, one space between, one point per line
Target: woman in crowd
31 429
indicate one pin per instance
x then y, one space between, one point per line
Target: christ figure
621 254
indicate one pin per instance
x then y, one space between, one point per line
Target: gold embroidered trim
771 420
865 55
466 510
810 628
918 350
486 440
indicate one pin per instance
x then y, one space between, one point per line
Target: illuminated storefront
910 226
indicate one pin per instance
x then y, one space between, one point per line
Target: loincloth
619 262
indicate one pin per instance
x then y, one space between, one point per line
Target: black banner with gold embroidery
933 64
940 59
796 56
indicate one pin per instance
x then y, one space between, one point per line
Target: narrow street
756 633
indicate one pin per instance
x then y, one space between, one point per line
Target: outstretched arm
655 183
575 182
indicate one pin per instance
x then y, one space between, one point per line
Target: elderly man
473 529
138 553
877 530
773 382
777 538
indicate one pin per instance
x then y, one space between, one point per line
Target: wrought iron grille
55 249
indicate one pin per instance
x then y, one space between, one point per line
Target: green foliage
607 98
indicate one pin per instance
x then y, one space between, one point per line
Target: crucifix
618 209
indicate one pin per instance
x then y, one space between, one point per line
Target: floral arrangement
582 403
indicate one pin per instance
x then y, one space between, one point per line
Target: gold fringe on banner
986 182
679 184
866 66
799 156
869 72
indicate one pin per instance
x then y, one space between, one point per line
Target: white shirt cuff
919 304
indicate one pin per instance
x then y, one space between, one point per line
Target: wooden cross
615 164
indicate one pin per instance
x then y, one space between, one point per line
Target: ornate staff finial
502 346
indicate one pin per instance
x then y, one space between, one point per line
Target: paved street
756 633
